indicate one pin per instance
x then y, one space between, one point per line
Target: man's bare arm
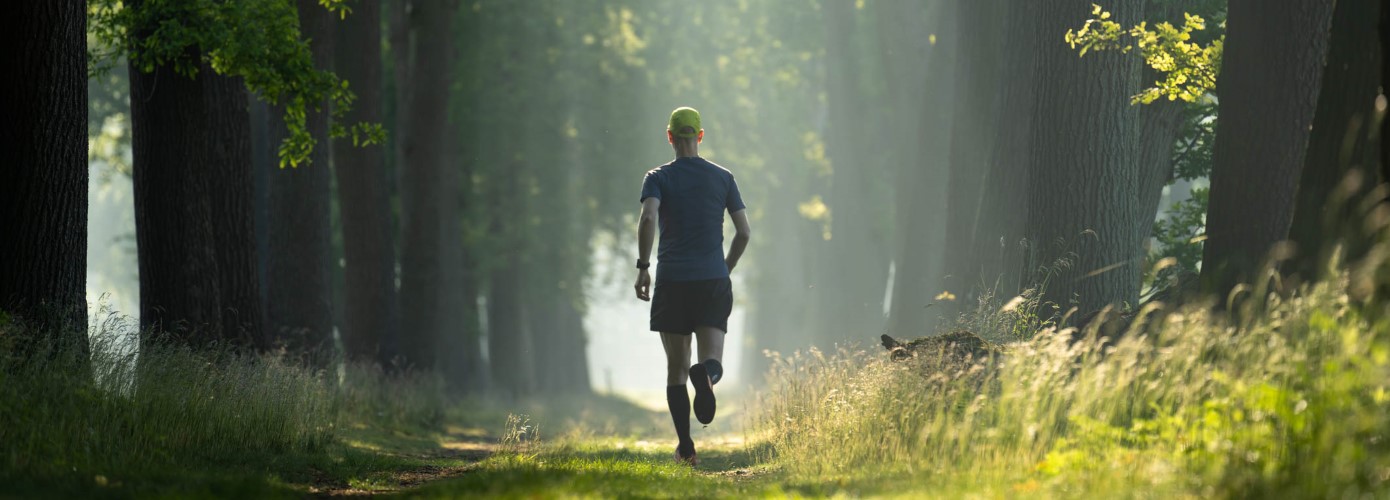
741 234
646 234
646 228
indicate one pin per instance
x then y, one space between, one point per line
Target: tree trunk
425 193
1083 202
778 281
1340 143
557 272
263 165
371 310
918 191
462 364
1384 91
233 218
973 138
180 290
43 183
850 294
1270 76
299 269
1159 124
509 345
999 230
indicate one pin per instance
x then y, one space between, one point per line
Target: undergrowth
1287 400
165 414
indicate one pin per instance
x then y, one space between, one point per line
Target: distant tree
555 272
1270 77
43 183
919 221
370 308
851 292
425 195
977 122
512 139
299 301
1083 199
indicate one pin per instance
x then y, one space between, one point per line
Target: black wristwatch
642 264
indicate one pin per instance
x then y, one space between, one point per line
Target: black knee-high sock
678 400
714 369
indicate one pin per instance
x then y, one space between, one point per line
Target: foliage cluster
1180 235
1289 401
258 41
1188 67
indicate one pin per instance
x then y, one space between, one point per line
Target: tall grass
1290 402
165 408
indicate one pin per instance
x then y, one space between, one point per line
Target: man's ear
670 138
701 137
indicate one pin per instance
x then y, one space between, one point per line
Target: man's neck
693 152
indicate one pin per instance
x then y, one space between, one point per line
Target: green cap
684 117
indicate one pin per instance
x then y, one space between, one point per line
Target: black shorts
681 306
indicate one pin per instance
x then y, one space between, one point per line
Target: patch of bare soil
467 451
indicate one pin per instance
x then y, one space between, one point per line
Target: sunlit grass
1287 399
170 420
1289 403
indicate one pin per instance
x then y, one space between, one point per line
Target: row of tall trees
1076 170
902 159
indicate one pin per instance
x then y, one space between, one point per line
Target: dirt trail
462 449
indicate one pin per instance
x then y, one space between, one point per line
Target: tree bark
1159 123
180 291
371 309
999 231
1270 77
299 267
1340 143
43 184
231 199
263 165
1083 206
425 193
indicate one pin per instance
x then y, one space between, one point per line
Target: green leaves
1180 235
1188 68
257 40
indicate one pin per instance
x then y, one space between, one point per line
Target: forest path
591 452
413 461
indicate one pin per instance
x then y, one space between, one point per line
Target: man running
688 197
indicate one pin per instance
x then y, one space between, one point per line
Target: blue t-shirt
694 194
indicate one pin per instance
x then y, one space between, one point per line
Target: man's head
684 127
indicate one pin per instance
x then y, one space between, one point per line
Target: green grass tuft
1291 402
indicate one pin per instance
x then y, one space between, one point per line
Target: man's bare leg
677 348
708 371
